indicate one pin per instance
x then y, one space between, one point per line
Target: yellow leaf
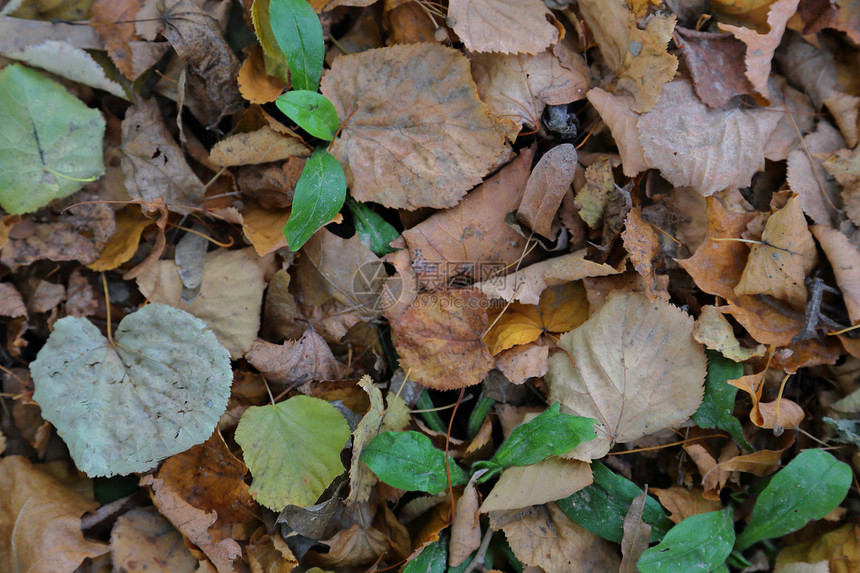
122 245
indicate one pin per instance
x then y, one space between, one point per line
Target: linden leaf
485 25
122 407
292 449
638 369
51 143
413 139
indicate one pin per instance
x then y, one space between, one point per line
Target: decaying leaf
261 146
143 538
485 25
547 185
295 361
635 369
714 62
548 480
412 141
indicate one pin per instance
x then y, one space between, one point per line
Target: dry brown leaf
548 480
799 116
364 543
230 298
114 23
518 87
41 520
724 151
617 112
837 551
714 331
684 502
713 476
526 286
255 84
264 227
143 539
472 239
637 534
269 553
779 264
153 164
43 295
544 536
211 67
844 165
439 341
466 527
11 302
637 371
193 523
819 196
642 243
486 25
761 47
845 260
760 463
413 141
594 195
547 185
295 361
520 363
637 57
210 478
261 146
715 64
130 224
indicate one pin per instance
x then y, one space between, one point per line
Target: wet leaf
292 449
155 391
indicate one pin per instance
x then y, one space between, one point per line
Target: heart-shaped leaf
121 407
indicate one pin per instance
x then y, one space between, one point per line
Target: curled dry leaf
779 264
412 141
114 23
518 87
845 260
546 187
261 146
295 361
761 47
439 339
153 164
637 370
714 331
643 245
486 25
638 57
466 527
41 520
724 150
683 502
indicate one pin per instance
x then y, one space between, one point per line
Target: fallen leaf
211 66
261 146
779 264
714 331
637 57
155 389
412 141
636 535
11 303
844 165
519 87
264 227
845 260
41 518
255 84
807 177
231 295
643 245
637 370
295 361
799 117
154 165
362 544
547 185
484 25
714 62
143 538
270 553
520 363
761 47
466 527
193 523
548 480
838 550
123 244
472 239
684 502
43 297
114 23
724 151
544 536
593 197
439 341
760 463
617 112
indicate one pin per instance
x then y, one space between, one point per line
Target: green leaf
312 111
408 460
158 390
320 193
601 507
273 56
699 543
298 32
809 487
50 143
375 232
292 449
432 559
549 434
718 404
